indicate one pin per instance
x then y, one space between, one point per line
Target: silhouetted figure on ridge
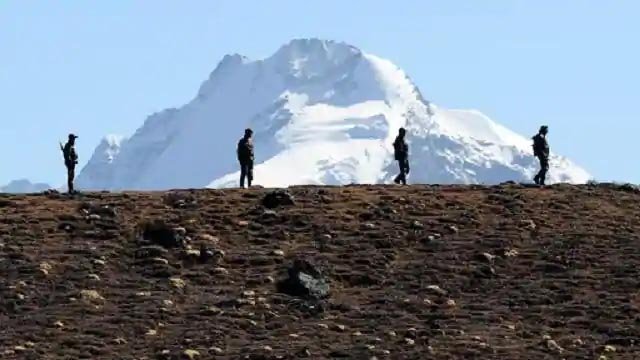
70 160
401 154
246 157
541 151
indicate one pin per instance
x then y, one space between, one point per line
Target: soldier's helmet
544 129
402 131
72 137
248 132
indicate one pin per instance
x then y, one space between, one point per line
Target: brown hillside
416 272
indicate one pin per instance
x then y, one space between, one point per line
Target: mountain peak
323 112
315 45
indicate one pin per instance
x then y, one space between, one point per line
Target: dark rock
208 254
151 252
159 233
417 225
66 226
278 198
180 200
305 281
100 210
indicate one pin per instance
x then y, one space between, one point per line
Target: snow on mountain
97 173
24 186
323 112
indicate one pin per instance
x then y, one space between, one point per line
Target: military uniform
541 151
70 161
401 154
246 158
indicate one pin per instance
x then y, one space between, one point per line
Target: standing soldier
541 151
70 160
401 154
246 157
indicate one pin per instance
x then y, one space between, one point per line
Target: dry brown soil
419 272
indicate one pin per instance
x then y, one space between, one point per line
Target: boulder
278 198
159 233
304 281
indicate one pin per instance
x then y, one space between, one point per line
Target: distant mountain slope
24 186
323 113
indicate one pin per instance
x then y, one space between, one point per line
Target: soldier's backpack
538 145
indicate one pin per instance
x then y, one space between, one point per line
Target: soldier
541 151
70 160
246 157
401 154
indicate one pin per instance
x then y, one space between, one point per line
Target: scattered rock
609 349
91 296
409 342
212 311
417 225
158 261
552 345
486 257
151 252
94 217
437 290
278 253
59 324
220 271
339 327
304 280
93 277
511 253
45 268
177 283
216 350
209 238
578 342
207 254
191 354
98 262
278 198
529 224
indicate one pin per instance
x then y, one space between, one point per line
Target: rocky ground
420 272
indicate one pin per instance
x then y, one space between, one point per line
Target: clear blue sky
98 67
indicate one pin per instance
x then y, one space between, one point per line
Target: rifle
63 152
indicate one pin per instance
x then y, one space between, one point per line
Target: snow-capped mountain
98 173
24 186
322 112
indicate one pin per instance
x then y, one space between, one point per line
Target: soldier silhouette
70 160
401 154
246 157
541 151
